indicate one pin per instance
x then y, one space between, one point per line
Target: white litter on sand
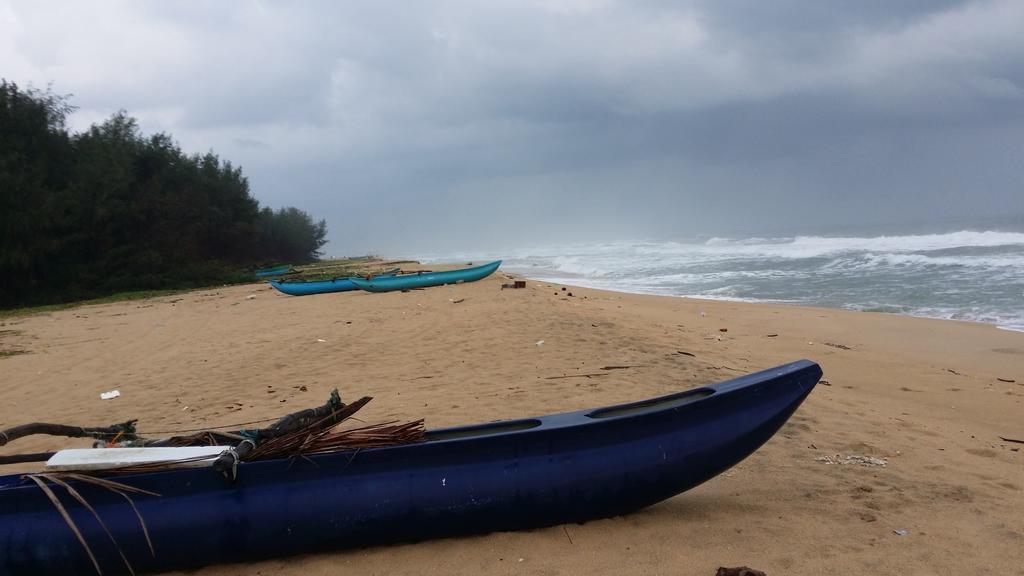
853 459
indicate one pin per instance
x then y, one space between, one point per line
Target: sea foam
963 275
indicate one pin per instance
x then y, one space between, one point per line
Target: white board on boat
107 458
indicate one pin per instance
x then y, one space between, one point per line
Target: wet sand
923 395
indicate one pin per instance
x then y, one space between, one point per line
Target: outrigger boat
275 271
305 288
426 279
508 475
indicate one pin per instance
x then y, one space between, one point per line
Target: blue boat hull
504 476
316 287
276 271
411 281
321 286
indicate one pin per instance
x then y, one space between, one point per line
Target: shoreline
569 282
923 395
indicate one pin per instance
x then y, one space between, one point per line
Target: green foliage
111 210
291 235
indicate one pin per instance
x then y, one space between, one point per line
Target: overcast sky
414 126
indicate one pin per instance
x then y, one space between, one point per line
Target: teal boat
410 281
275 271
305 288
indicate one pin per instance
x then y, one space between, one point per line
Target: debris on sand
853 459
738 571
840 346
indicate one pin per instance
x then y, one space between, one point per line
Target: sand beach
894 465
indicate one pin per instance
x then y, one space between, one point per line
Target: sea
973 275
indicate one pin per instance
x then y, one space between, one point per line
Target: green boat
425 279
275 271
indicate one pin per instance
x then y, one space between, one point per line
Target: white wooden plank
107 458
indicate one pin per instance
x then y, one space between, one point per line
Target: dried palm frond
315 439
81 500
155 466
116 487
67 518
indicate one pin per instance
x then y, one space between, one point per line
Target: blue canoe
275 271
321 286
502 476
410 281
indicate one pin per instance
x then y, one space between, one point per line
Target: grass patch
9 353
320 270
119 297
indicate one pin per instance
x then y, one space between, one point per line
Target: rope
152 432
250 435
232 453
113 442
234 462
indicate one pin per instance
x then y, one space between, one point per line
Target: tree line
110 210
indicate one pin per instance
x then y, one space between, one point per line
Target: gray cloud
412 126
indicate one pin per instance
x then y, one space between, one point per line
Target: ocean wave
823 245
690 278
629 253
792 247
869 261
965 275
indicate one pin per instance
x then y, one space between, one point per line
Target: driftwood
21 458
591 375
309 431
331 413
124 430
738 571
303 422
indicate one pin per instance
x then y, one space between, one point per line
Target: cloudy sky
413 126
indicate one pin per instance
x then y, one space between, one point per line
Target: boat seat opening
656 404
482 430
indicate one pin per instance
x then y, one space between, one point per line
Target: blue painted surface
505 476
410 281
321 286
276 271
316 287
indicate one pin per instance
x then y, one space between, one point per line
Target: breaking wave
964 275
